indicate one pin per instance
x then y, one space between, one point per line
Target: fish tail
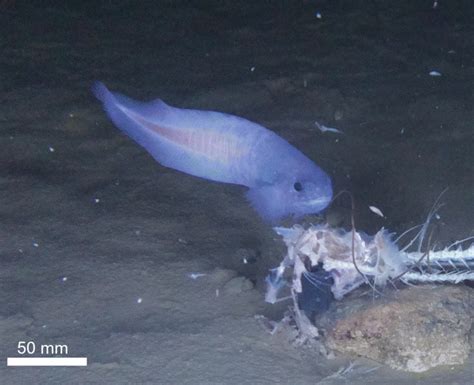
113 104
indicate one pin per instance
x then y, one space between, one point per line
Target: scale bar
46 361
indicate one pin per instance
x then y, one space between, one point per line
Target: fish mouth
318 203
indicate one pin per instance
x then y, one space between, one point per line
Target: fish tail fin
101 92
114 105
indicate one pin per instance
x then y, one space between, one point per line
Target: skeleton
353 258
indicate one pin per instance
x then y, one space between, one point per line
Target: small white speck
377 211
64 279
435 73
252 69
245 261
20 250
11 138
183 241
305 83
451 51
435 4
44 326
96 200
139 300
318 15
137 232
51 149
35 244
71 115
217 292
437 216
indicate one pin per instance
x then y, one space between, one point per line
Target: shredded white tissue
51 149
35 244
139 300
377 211
435 73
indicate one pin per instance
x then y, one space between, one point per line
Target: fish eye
298 186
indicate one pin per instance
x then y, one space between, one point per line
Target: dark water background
80 200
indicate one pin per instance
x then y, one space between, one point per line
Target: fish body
224 148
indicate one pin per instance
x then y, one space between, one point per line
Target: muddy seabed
97 239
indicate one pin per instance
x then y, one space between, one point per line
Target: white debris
377 211
139 300
96 200
318 15
435 73
35 244
51 149
196 275
324 128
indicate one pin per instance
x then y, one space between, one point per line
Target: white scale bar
46 361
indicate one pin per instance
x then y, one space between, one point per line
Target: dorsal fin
154 109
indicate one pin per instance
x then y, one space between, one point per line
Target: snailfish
281 180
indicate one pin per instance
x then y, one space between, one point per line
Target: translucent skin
224 148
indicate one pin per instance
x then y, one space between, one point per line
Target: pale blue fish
224 148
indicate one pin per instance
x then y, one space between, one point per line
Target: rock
230 282
413 329
221 276
237 285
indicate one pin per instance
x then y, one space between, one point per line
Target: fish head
296 196
308 195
